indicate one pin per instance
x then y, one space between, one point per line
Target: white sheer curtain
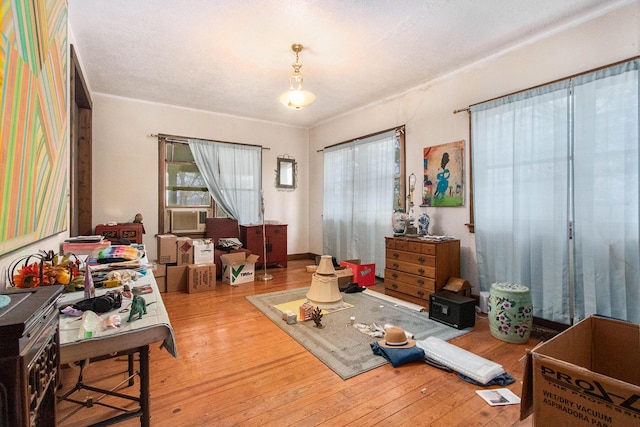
607 257
521 195
358 199
233 174
559 155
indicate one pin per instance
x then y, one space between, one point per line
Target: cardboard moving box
184 248
166 248
201 277
160 270
237 269
345 276
203 251
177 278
586 376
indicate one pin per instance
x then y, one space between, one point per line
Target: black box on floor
452 309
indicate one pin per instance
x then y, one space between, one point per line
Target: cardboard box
166 248
162 283
586 376
363 274
237 269
160 270
203 251
345 276
184 248
177 278
201 277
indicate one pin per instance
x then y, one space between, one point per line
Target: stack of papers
499 397
430 238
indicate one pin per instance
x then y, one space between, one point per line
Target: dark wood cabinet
131 231
275 239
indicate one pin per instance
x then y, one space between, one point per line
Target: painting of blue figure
443 180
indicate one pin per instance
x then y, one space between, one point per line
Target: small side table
510 312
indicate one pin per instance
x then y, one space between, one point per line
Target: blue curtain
555 160
233 175
606 164
521 189
358 199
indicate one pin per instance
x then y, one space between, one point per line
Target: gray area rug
344 348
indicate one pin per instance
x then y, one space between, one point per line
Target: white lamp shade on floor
324 291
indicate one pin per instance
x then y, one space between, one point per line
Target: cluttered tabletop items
119 296
109 292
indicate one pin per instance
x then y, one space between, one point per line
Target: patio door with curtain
358 198
556 194
233 175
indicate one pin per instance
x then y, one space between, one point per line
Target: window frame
163 207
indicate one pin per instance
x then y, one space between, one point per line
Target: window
185 186
181 185
222 178
363 184
558 156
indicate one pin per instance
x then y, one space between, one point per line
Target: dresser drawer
420 270
404 245
419 281
428 249
411 257
407 289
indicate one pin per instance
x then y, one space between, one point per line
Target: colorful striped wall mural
33 129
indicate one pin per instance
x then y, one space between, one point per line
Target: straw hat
395 337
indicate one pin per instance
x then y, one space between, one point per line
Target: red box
363 274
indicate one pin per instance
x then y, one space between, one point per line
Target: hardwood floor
236 367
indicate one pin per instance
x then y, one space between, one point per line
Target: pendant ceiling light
296 97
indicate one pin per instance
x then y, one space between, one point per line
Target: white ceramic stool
510 312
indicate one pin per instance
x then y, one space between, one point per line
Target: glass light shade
297 98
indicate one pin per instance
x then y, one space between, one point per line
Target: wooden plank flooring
235 367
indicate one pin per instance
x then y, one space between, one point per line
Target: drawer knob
421 271
395 266
420 294
395 255
421 259
394 275
394 286
420 282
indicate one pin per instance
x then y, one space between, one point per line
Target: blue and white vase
423 223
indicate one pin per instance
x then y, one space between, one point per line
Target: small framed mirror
286 173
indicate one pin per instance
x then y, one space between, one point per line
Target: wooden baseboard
308 255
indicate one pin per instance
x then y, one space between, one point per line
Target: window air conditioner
189 220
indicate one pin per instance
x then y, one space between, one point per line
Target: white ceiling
235 57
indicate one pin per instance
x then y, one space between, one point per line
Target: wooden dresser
276 242
415 268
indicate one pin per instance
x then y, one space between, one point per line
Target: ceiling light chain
297 98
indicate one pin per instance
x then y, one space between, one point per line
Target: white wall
427 110
125 161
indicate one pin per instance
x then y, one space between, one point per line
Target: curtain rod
549 83
183 140
397 129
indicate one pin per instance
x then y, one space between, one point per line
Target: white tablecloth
152 327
